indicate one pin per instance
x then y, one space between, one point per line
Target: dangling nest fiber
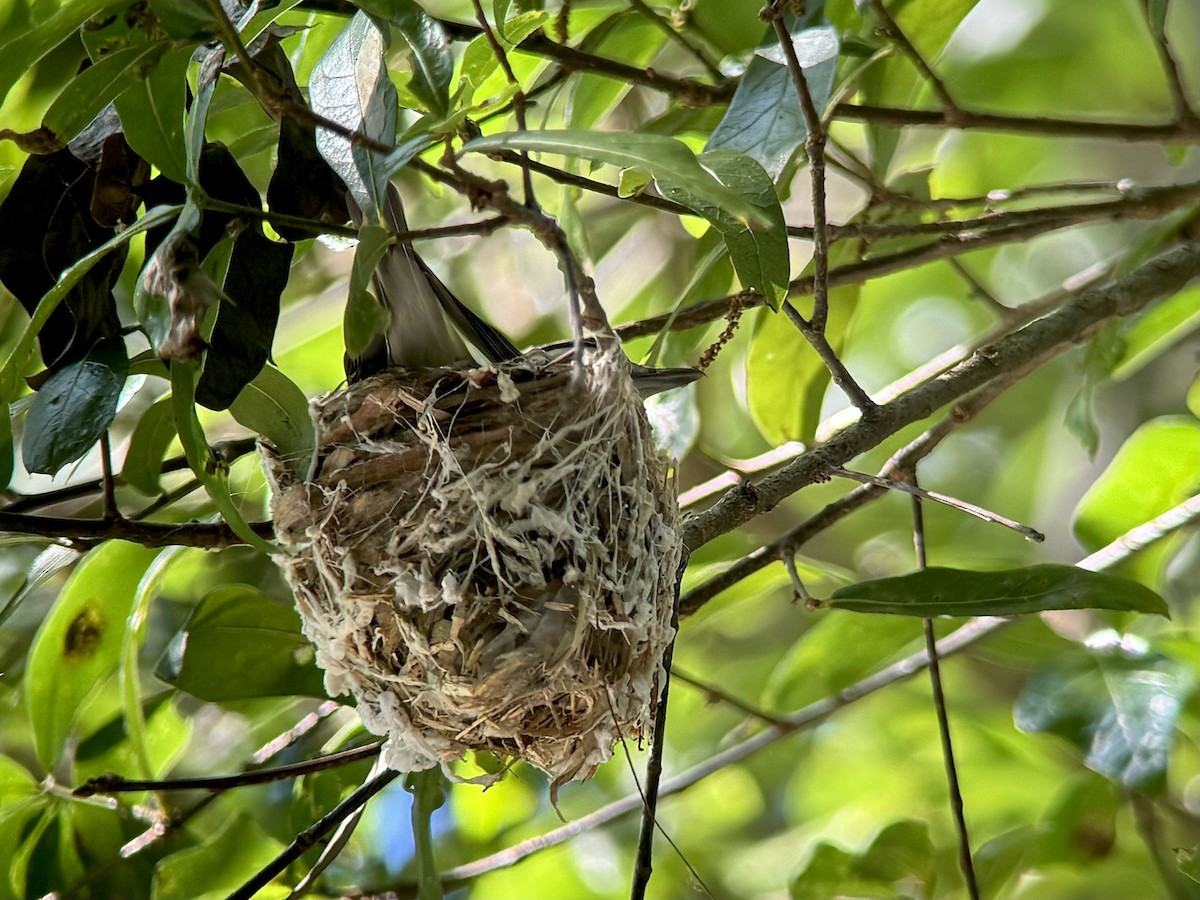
487 559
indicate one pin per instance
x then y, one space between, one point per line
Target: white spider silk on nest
487 560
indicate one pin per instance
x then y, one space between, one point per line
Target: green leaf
74 408
130 673
479 59
940 591
901 856
632 38
764 119
79 644
152 114
1189 862
184 19
148 445
86 95
1102 354
17 360
759 255
272 405
7 455
199 455
785 379
1156 468
219 866
672 164
1119 709
1160 329
426 50
239 643
27 45
1156 16
350 86
365 316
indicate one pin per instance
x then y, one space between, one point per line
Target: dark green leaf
239 643
184 19
152 114
671 163
1156 15
1189 862
274 407
79 644
46 226
764 120
365 316
245 328
74 408
94 88
939 591
147 446
1120 710
350 86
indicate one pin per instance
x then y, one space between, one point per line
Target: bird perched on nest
430 327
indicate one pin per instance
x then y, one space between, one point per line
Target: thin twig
713 692
107 480
1166 132
814 144
837 369
896 33
1170 66
678 37
309 837
957 808
953 502
1063 328
115 784
518 99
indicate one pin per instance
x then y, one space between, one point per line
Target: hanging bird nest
487 559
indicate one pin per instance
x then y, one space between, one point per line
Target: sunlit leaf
24 47
147 446
938 591
234 852
1163 326
239 643
350 86
668 160
759 254
1156 468
94 88
152 114
272 405
1119 709
79 644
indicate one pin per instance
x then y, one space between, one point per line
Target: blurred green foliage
1075 731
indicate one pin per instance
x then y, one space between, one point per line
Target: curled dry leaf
174 274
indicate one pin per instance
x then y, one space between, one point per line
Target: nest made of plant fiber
487 559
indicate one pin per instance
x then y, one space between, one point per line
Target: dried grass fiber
487 560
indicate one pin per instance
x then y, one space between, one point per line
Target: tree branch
1070 324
